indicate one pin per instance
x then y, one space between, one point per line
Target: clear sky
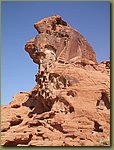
91 19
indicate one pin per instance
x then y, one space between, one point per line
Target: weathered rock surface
70 105
56 35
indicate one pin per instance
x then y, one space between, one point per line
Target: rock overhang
56 35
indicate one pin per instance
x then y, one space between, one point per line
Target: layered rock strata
70 104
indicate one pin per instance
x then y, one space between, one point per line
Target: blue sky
91 19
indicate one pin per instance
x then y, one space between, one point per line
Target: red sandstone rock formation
70 104
56 35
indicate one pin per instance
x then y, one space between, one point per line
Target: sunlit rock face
70 104
65 43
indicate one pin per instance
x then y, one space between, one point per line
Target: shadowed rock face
56 36
70 104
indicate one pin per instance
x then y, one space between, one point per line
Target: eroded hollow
97 127
15 106
18 141
41 105
15 121
59 128
71 93
106 100
103 101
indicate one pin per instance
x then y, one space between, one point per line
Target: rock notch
70 104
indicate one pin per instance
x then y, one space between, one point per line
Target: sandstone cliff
70 104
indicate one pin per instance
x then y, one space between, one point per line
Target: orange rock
70 104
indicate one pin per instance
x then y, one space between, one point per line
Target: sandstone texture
70 104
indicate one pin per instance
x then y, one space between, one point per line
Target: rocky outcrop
61 41
70 104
